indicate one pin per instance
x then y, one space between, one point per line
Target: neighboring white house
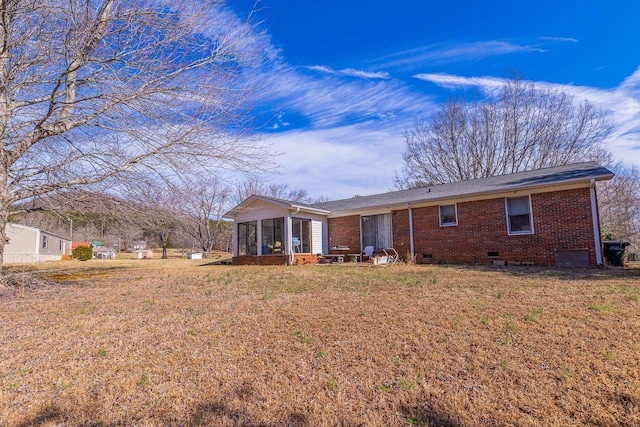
30 244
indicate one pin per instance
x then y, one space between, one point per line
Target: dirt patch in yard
179 343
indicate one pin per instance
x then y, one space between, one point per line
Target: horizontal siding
21 240
316 236
261 210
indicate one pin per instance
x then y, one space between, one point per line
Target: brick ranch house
542 217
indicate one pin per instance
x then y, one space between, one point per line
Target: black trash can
614 252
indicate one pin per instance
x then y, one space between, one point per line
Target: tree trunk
163 242
6 200
4 219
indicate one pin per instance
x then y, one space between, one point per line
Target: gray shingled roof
283 202
580 172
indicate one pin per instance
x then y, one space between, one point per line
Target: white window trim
448 224
506 211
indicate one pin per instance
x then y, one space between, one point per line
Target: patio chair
368 252
392 255
295 244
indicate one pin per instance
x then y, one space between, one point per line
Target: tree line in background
166 215
521 126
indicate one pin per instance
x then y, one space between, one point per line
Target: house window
519 215
448 215
272 236
301 235
45 242
376 231
247 238
61 244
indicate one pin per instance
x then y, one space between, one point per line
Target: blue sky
349 76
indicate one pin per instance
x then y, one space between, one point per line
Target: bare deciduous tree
521 127
202 205
156 210
257 186
93 89
619 201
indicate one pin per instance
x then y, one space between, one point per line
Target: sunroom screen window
247 238
301 233
272 236
519 215
376 231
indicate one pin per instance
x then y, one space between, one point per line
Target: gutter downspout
290 236
411 246
596 221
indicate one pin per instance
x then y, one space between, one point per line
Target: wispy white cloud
559 39
451 81
350 72
322 69
447 53
365 74
330 100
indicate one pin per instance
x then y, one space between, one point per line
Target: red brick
561 220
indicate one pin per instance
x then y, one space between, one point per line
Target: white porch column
288 232
235 238
259 237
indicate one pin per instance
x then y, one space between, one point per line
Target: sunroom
275 231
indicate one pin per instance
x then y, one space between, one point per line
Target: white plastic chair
368 252
392 255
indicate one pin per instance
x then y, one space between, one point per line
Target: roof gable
285 204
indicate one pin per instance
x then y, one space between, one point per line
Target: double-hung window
519 219
45 242
448 215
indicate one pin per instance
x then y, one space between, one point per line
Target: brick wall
401 235
260 260
561 220
345 231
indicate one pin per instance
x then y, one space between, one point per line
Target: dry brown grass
180 343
